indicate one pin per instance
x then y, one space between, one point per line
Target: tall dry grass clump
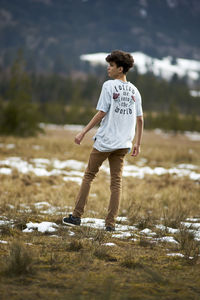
19 260
188 245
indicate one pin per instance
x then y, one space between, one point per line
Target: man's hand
79 137
136 150
95 120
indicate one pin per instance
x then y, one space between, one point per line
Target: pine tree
20 115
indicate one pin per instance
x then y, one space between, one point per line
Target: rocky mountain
54 33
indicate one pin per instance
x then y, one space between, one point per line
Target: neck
121 77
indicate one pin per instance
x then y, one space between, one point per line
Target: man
119 111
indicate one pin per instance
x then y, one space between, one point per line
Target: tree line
26 99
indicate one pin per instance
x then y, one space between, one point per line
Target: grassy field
155 251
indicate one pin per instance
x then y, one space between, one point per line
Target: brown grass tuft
19 261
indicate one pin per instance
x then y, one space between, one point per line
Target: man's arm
139 131
95 120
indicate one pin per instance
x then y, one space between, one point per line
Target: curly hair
122 59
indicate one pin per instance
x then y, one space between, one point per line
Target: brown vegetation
80 266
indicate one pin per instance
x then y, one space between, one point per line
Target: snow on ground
3 242
167 229
41 227
109 244
165 67
122 231
195 93
167 239
39 167
192 136
191 225
7 146
175 254
61 127
5 221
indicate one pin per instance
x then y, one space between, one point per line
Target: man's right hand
79 137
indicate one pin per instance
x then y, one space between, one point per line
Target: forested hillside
63 99
54 33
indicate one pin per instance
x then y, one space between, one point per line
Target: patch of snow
187 166
5 171
168 229
193 219
52 210
73 127
141 162
191 225
93 222
73 164
75 175
140 172
194 93
61 127
122 235
75 179
3 242
121 227
197 236
164 67
5 222
93 195
148 231
192 136
100 224
175 254
71 233
167 239
10 146
121 219
39 205
11 206
41 227
109 244
41 161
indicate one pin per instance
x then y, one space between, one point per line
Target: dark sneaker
71 220
110 228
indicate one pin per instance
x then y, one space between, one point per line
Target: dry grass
80 266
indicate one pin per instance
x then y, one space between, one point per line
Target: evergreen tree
20 116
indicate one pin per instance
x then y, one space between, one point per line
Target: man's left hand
136 150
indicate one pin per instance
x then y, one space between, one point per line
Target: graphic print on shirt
124 97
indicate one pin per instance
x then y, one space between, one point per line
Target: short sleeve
104 99
139 111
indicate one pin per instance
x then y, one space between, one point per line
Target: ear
121 69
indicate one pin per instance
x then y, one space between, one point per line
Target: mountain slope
54 33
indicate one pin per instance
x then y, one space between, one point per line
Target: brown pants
116 161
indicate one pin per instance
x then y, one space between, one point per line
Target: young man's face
113 70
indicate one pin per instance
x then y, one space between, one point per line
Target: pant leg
116 162
95 161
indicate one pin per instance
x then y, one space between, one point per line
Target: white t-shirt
122 103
